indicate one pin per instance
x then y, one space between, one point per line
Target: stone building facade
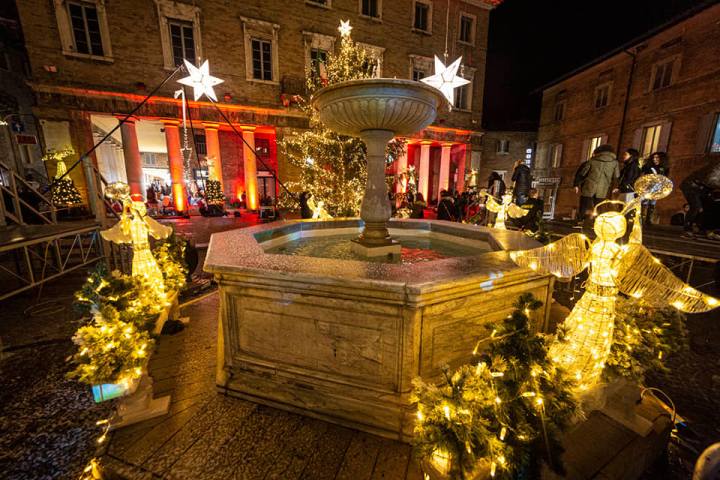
660 92
92 61
500 150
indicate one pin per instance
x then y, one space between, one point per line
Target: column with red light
250 167
461 161
212 143
401 171
176 164
424 170
444 181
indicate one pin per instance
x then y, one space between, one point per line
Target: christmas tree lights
330 166
502 415
63 192
213 188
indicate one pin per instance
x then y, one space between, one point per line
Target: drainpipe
627 101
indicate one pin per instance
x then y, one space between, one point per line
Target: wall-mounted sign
26 139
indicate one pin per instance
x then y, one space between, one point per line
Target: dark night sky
532 42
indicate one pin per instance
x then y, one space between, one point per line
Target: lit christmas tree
63 192
332 167
213 188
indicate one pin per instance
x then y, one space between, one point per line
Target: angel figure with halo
134 227
613 268
504 208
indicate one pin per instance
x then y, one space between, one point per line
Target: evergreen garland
330 166
643 338
505 414
170 255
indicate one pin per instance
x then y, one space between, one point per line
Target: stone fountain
341 337
376 110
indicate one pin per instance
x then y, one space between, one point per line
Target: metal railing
10 187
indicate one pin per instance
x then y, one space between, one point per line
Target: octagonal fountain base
342 339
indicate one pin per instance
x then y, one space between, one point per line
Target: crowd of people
595 178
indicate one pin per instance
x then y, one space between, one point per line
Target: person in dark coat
522 182
305 211
696 186
535 207
658 164
597 176
418 206
446 207
496 185
629 173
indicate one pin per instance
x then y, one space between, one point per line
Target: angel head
610 225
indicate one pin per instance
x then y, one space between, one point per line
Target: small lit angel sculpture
318 209
133 228
613 268
503 209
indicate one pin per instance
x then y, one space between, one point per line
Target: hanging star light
200 80
446 79
345 28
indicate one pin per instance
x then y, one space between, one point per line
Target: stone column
133 161
213 149
250 167
460 185
400 169
444 181
176 164
375 209
424 170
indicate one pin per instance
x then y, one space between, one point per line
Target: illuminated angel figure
507 207
318 209
630 269
133 228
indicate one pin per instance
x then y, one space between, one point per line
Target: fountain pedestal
376 110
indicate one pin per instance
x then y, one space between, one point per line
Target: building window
86 29
559 115
422 19
261 51
602 96
322 3
370 8
502 147
420 67
417 74
182 41
593 144
466 32
555 155
200 144
179 32
83 29
318 59
662 74
651 139
261 59
374 58
461 98
715 139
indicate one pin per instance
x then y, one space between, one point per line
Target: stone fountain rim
238 251
390 82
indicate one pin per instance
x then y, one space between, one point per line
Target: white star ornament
200 80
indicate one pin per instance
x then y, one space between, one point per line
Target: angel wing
641 275
157 229
564 258
117 234
516 211
493 204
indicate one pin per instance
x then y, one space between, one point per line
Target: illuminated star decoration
345 28
200 80
446 79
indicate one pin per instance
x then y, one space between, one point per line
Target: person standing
659 165
696 187
305 211
418 206
597 175
446 207
629 173
522 182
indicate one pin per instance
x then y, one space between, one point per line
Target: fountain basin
341 340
